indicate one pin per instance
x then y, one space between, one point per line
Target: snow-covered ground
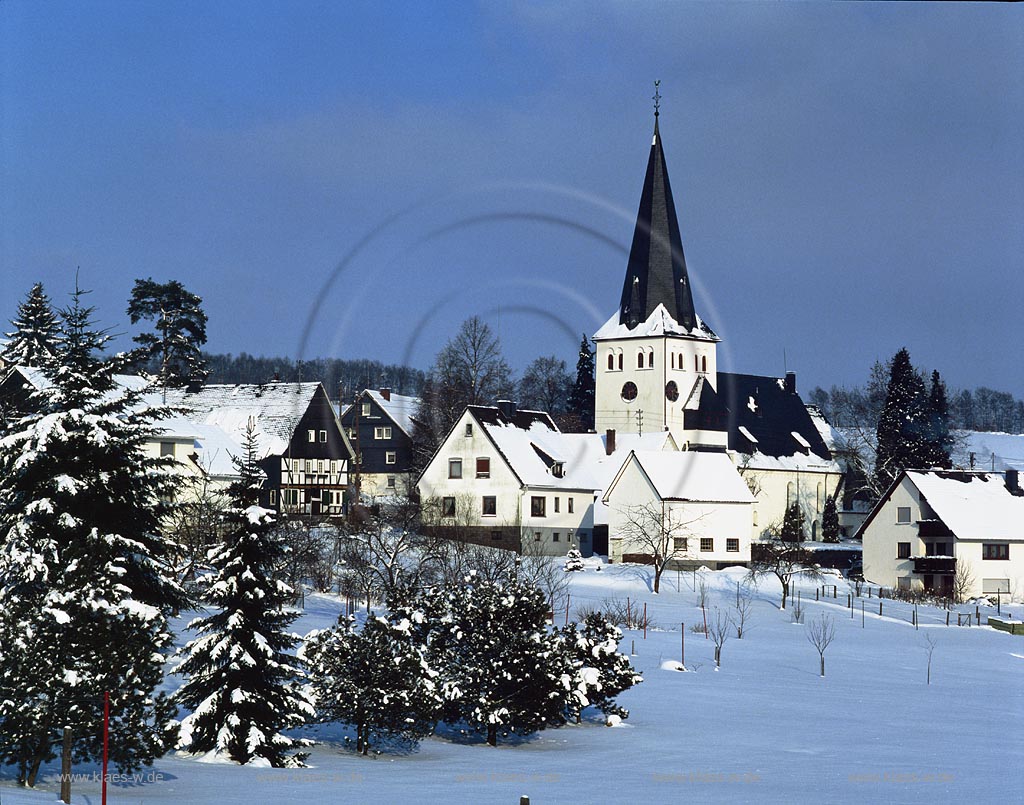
765 727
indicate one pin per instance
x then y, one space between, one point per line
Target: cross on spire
656 97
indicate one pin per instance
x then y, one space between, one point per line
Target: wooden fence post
682 644
65 766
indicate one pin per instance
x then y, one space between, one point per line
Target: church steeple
656 272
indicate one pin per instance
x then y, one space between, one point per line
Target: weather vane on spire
656 97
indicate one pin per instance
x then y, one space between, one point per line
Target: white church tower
656 360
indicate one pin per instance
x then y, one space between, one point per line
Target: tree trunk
823 665
657 578
718 656
785 592
492 734
33 770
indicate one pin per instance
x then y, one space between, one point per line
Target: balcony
934 564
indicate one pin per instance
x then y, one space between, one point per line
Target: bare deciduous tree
744 605
783 560
820 633
719 629
653 530
929 646
963 580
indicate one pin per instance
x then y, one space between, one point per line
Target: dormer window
558 470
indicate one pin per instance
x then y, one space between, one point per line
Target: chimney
507 408
790 382
386 394
609 441
1013 482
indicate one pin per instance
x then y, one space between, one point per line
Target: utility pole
640 421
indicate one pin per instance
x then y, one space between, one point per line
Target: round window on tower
671 391
629 391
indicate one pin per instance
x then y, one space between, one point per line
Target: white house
658 369
929 523
506 477
693 504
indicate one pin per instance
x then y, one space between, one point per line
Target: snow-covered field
765 727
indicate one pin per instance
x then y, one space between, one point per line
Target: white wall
772 490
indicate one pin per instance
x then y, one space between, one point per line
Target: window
490 506
273 497
310 435
536 536
334 467
995 550
703 363
382 433
308 465
611 361
323 437
495 536
620 361
993 586
469 430
639 360
902 550
538 506
707 544
570 500
629 391
365 411
455 468
673 360
447 507
650 359
558 502
166 448
483 468
902 514
391 482
391 457
680 544
320 465
290 497
555 537
671 391
696 365
732 545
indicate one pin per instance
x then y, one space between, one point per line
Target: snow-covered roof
400 408
276 409
660 322
992 451
693 476
531 443
213 447
973 505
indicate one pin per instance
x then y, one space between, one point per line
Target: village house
953 533
379 428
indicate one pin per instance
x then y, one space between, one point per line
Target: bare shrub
820 634
719 629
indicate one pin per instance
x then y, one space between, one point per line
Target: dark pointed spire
656 272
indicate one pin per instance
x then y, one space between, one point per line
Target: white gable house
932 526
694 505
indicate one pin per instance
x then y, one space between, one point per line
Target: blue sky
355 179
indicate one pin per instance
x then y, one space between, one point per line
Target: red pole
106 739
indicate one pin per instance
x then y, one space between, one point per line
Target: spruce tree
793 524
903 424
939 437
601 671
581 398
173 352
242 684
501 670
574 560
375 679
36 327
830 520
85 585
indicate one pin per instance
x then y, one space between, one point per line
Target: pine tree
34 340
903 424
173 351
939 438
501 669
581 398
830 520
375 679
602 672
85 586
793 524
241 683
574 560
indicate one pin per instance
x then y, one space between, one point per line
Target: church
657 370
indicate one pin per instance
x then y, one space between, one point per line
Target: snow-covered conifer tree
242 684
602 672
34 340
830 520
574 560
375 679
502 669
85 588
903 424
